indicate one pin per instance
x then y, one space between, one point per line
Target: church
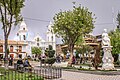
22 46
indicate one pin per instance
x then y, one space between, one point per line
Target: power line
49 21
36 19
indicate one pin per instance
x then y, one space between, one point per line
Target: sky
38 13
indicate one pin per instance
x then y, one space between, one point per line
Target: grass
14 75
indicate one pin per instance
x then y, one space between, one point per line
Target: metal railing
40 73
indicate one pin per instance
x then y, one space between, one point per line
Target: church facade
22 46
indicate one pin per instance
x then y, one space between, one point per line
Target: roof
12 42
91 44
87 39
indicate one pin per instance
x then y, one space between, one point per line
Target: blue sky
44 10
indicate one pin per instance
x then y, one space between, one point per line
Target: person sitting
27 65
19 63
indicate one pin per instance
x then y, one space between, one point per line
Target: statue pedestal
107 58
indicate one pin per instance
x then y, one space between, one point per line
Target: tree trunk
71 48
83 58
6 54
6 47
97 57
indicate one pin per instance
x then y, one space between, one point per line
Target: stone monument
107 48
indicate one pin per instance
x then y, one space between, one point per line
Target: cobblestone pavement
67 75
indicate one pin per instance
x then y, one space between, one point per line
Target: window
24 38
1 48
23 28
52 38
11 48
20 48
38 39
38 44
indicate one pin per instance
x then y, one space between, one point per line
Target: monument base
108 66
107 58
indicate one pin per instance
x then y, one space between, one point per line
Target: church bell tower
51 37
22 33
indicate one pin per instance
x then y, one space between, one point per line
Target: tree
84 48
70 25
50 55
36 50
115 42
10 13
50 52
118 20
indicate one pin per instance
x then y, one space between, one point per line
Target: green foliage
36 50
115 41
50 55
15 75
84 48
118 19
73 24
10 14
11 9
50 52
64 50
50 47
50 60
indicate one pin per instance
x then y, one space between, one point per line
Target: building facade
22 46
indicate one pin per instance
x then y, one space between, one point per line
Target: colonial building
22 46
15 48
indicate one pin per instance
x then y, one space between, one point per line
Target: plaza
59 40
78 75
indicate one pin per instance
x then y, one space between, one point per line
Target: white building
22 46
16 48
50 37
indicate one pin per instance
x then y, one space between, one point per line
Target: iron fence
40 73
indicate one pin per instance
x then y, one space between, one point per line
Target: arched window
1 48
11 48
38 39
38 44
23 28
52 38
20 48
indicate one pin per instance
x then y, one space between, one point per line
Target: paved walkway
67 75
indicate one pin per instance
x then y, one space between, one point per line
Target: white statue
105 38
107 48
